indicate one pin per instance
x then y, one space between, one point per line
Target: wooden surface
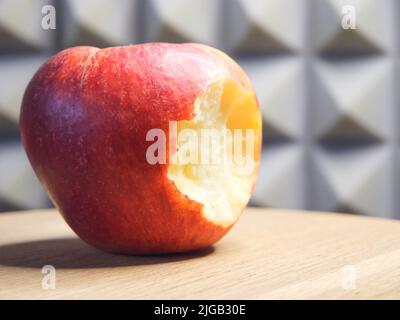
269 254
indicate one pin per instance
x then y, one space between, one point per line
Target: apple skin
84 119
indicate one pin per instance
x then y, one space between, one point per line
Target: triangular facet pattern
265 26
358 180
176 21
99 22
328 95
19 188
351 100
21 27
372 31
281 179
279 84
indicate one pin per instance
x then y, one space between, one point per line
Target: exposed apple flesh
84 120
221 190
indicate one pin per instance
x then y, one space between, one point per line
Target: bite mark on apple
219 185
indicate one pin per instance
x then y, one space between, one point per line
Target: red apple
85 120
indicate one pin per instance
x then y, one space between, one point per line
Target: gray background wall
328 95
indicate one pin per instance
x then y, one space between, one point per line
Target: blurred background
328 93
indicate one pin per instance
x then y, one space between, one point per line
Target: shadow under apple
72 253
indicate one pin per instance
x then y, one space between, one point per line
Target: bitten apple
85 119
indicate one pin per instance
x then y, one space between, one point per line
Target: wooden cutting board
269 254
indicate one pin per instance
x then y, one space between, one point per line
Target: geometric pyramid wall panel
374 27
353 180
19 187
176 21
262 26
20 26
352 100
329 96
279 83
99 23
281 179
